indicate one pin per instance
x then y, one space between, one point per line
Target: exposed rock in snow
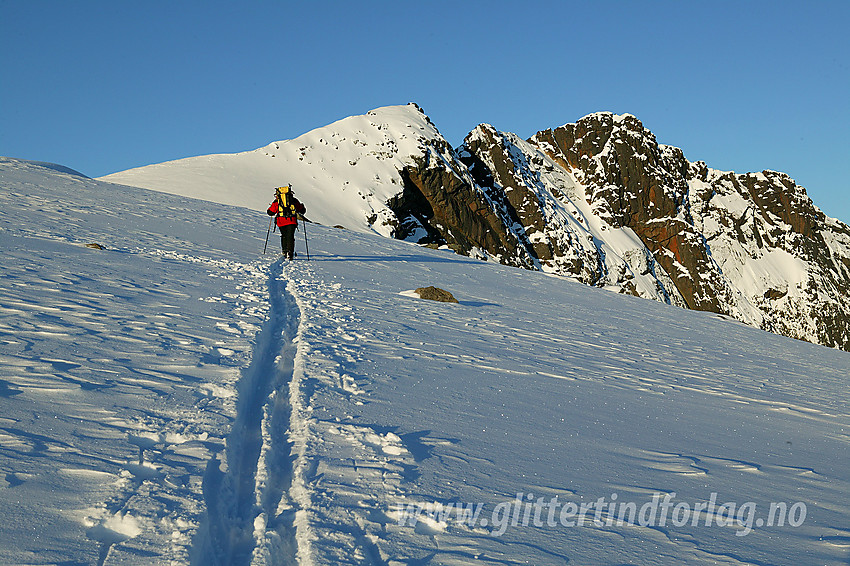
432 293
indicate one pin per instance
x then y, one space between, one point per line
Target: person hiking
286 208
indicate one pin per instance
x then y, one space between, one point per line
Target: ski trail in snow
250 516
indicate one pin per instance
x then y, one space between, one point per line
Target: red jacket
287 218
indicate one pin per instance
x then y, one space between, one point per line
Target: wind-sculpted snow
176 398
120 368
119 372
424 415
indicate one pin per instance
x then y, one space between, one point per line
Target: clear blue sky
102 86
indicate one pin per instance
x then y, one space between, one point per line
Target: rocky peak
631 174
779 197
636 183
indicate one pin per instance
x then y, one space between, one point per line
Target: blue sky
744 86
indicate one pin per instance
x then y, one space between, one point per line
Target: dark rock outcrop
440 204
432 293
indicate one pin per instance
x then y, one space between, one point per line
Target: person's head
280 191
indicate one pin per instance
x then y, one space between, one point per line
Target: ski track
250 513
144 500
154 468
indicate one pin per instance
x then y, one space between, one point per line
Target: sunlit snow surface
179 398
347 170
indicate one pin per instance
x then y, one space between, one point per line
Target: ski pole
269 231
306 245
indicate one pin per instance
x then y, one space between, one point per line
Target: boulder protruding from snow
435 294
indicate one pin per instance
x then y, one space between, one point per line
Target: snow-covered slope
346 171
176 398
118 367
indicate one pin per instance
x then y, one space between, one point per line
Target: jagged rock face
537 209
500 177
638 184
552 215
600 200
789 260
440 204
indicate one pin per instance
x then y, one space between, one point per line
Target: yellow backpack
285 206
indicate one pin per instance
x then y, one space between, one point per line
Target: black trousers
287 240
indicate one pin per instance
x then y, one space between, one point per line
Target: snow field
177 399
111 373
537 386
120 368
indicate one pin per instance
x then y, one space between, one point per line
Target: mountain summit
599 200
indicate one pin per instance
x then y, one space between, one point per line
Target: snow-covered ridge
345 172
